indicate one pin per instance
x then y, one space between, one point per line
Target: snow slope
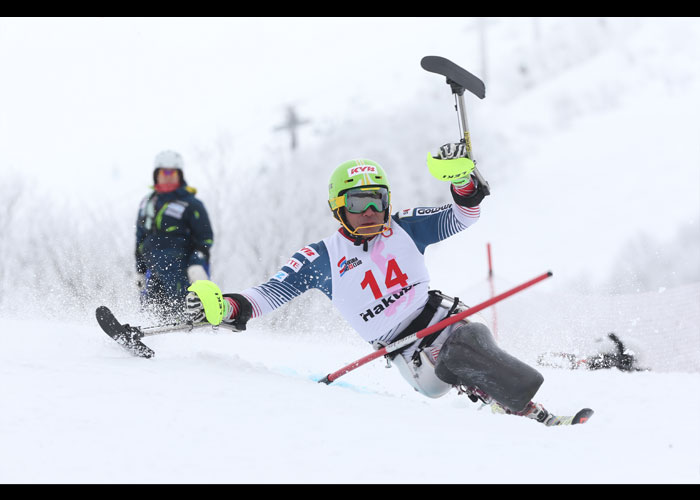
221 407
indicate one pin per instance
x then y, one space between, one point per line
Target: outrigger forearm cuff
470 200
245 310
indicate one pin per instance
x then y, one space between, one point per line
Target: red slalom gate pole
431 329
488 253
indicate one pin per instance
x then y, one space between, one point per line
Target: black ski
459 78
582 416
128 337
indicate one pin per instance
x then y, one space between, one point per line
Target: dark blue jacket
172 232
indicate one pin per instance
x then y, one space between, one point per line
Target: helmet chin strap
353 232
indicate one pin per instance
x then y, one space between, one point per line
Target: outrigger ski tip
457 77
128 337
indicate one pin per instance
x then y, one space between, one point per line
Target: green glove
211 300
451 164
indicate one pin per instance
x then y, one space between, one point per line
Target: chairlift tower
292 124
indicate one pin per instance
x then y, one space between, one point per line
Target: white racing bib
375 290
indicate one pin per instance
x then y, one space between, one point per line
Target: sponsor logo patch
294 264
280 276
345 265
175 210
309 253
363 169
384 303
431 210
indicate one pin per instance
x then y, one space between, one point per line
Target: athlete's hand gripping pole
459 80
205 302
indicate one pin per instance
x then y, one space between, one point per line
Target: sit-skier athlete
373 270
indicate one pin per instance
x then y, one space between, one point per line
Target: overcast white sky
79 94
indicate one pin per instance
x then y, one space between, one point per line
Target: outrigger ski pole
459 80
129 337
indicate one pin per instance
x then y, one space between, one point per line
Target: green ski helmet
358 175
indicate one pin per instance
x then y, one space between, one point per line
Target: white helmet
168 159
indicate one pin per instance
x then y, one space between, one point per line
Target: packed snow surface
224 407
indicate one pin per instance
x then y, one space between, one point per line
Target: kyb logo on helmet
364 169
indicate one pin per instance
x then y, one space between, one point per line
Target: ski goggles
167 171
358 200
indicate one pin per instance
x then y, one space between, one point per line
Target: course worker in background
173 239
